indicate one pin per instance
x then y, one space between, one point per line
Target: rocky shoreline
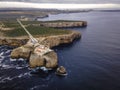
50 41
40 54
33 52
28 51
62 24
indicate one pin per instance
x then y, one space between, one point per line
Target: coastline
37 55
51 41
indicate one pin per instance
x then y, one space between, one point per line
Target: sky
60 4
69 1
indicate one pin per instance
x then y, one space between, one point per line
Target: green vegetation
34 30
10 24
13 23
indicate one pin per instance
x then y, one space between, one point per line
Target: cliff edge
49 41
49 59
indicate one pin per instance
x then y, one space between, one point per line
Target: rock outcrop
28 51
13 42
52 41
61 71
47 59
22 52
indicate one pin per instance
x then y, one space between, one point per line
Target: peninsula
13 35
46 33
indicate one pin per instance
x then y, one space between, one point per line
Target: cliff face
28 51
49 60
53 41
13 42
49 41
63 24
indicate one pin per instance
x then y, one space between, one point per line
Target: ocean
92 63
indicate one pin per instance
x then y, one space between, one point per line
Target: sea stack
61 71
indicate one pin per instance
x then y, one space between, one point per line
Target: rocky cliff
49 41
52 41
29 50
62 24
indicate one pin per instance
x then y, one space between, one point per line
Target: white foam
4 66
35 87
38 86
20 59
12 59
5 79
8 51
19 68
44 68
23 74
1 53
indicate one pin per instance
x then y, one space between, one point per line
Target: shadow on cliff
66 46
68 28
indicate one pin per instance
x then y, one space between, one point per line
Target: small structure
23 18
38 55
39 49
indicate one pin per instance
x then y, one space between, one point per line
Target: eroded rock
22 52
61 71
50 41
46 58
62 24
13 42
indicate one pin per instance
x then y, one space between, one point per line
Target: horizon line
6 4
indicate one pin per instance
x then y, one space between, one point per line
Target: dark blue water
93 62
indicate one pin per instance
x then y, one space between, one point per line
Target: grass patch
14 23
35 30
53 21
10 24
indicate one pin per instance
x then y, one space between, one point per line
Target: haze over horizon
58 4
69 1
